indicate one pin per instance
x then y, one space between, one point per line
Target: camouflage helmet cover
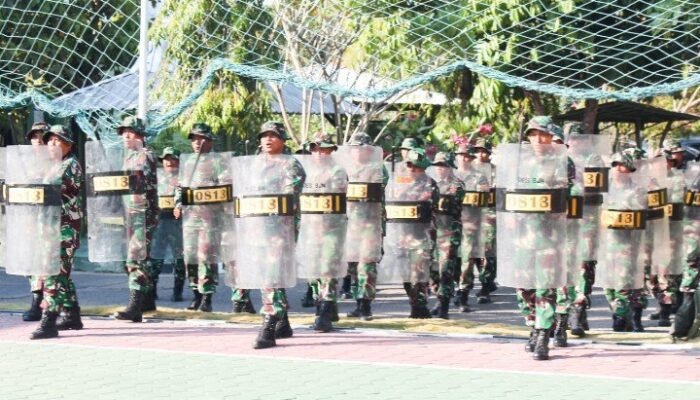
323 140
274 127
625 159
418 158
133 123
61 132
202 130
360 139
37 127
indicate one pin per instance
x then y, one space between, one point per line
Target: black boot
266 336
70 320
334 312
560 331
637 320
458 297
177 290
619 324
665 315
308 300
542 345
530 345
283 329
657 313
464 302
366 309
154 290
205 305
575 321
483 297
346 288
196 301
243 306
584 319
47 327
357 312
34 312
323 320
149 302
444 308
420 312
133 311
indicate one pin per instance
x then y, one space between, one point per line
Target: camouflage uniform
691 231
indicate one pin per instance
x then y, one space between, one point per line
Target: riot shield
408 243
116 203
624 219
531 205
674 213
691 214
365 192
2 206
319 249
33 210
167 238
657 250
477 190
207 197
265 208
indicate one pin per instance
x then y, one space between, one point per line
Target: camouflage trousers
417 293
537 306
565 299
36 283
178 269
691 276
665 288
364 278
274 301
59 290
485 269
445 266
584 284
622 302
240 295
203 277
138 271
691 249
325 289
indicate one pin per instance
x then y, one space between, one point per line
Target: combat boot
149 302
177 290
657 313
422 312
637 320
530 345
665 315
71 320
346 288
243 306
323 320
154 289
34 312
334 312
196 301
205 305
308 300
47 327
560 330
357 312
464 302
283 329
266 336
584 319
458 297
619 324
133 311
576 328
366 310
541 345
484 296
444 308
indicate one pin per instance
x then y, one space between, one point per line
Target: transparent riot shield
657 246
365 193
33 210
265 206
531 208
674 213
624 219
577 248
408 244
322 203
205 180
116 202
476 177
447 215
167 238
691 213
2 206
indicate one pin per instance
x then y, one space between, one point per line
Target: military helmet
409 144
557 133
442 159
169 151
418 158
624 159
360 139
133 123
274 127
673 146
37 127
573 128
61 132
482 143
541 123
202 130
323 140
635 153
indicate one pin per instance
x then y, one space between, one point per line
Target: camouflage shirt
71 181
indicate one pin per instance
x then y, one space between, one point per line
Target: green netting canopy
78 57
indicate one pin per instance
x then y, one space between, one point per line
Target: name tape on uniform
624 219
365 192
257 206
207 195
326 203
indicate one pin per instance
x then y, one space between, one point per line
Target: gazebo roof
630 112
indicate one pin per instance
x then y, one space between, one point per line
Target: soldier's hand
177 213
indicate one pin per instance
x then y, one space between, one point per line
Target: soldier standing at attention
487 276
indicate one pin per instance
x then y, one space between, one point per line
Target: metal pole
143 65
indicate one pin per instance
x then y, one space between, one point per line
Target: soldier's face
270 143
414 169
442 171
56 141
171 164
358 154
537 136
674 160
463 160
36 139
404 153
621 168
131 139
200 144
321 151
484 156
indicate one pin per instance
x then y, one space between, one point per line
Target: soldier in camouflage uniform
449 232
59 290
143 216
203 225
691 250
35 137
487 276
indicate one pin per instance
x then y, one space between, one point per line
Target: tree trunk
536 101
590 112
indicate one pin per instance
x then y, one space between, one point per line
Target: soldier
59 290
449 232
35 137
411 199
532 226
476 176
319 251
168 235
620 271
267 189
367 177
487 276
201 200
142 219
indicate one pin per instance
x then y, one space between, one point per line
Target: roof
627 111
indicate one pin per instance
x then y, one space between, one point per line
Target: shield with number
167 238
116 202
691 213
657 250
531 204
476 177
33 210
623 221
409 217
207 200
365 192
265 206
322 203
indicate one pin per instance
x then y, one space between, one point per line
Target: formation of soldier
565 212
